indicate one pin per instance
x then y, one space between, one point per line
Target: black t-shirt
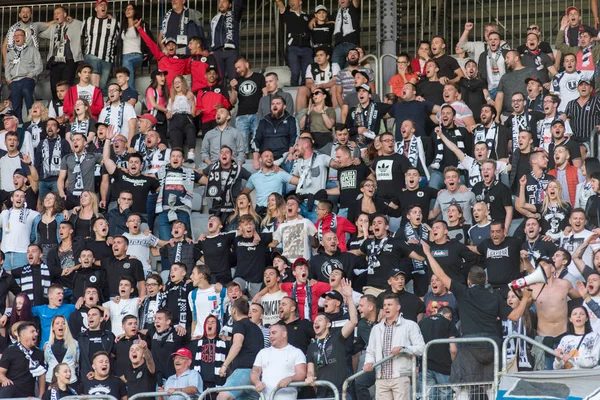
523 168
115 269
236 188
421 196
389 172
334 360
534 187
322 34
455 259
539 248
447 66
139 186
574 151
544 47
481 311
61 393
31 198
300 333
416 111
249 93
438 356
410 304
86 277
17 367
393 254
95 343
297 28
251 258
253 343
349 179
432 91
496 197
217 252
502 262
121 352
100 249
139 380
112 386
162 346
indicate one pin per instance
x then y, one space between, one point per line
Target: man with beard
491 63
364 120
344 80
330 258
300 330
35 277
535 95
495 194
277 132
211 351
537 180
412 147
449 70
273 89
519 161
521 119
215 249
584 112
533 57
390 168
12 161
494 135
145 123
78 170
453 194
544 126
568 175
31 29
222 134
121 264
430 87
444 156
511 82
481 229
463 116
560 139
102 382
412 109
454 257
182 23
534 245
564 84
223 181
473 89
48 156
479 47
225 38
438 297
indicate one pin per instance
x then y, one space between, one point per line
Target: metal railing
145 395
524 338
378 363
469 340
89 397
336 392
229 389
594 143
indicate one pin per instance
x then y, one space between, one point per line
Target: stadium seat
284 74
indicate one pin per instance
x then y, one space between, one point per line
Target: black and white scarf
367 117
77 170
305 174
307 301
540 193
489 136
586 56
322 359
182 22
519 123
35 368
120 115
494 61
30 33
332 226
160 303
28 282
419 233
82 126
54 392
413 150
51 166
36 132
60 42
182 303
222 193
343 22
519 348
374 251
18 50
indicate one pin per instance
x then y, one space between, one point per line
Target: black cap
212 68
558 121
158 72
277 254
584 80
535 79
359 71
334 294
20 171
10 113
99 123
545 259
395 272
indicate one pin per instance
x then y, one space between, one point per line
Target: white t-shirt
120 122
324 77
119 310
312 173
270 303
16 229
139 247
8 165
474 169
278 364
86 93
544 132
565 85
571 243
204 302
294 237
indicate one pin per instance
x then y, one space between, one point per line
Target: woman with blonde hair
181 110
36 126
85 214
275 213
243 206
61 348
82 121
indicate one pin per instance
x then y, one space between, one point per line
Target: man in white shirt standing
119 114
297 235
204 300
278 365
16 226
123 305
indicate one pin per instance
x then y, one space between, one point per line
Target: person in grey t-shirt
512 82
455 193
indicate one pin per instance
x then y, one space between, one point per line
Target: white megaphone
537 276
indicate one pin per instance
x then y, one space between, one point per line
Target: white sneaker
191 156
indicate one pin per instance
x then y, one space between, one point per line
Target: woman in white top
132 44
181 111
584 189
580 348
61 348
82 121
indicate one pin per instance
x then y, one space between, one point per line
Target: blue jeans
150 210
131 62
47 187
310 215
14 260
340 51
164 225
436 180
436 378
23 88
246 124
100 67
299 58
240 377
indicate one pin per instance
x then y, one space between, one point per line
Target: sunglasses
316 93
533 28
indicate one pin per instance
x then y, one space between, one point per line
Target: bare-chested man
550 301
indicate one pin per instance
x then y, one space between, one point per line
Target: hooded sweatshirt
209 356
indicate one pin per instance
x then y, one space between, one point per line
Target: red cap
101 1
149 117
183 352
571 8
299 261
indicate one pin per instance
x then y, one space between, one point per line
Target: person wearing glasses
319 118
404 74
119 114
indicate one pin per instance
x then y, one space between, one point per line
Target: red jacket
208 98
343 226
316 290
71 97
198 66
173 65
572 180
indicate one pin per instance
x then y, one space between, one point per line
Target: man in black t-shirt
121 264
122 347
247 342
215 248
299 51
413 307
450 70
300 331
413 194
93 340
249 87
390 168
537 180
140 376
16 373
164 341
495 194
534 245
349 178
103 383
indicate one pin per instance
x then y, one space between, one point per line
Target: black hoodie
209 356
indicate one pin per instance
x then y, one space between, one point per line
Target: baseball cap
101 1
545 259
9 114
395 272
359 71
277 254
212 68
169 39
183 352
158 72
299 261
558 121
364 86
320 7
99 123
20 171
584 80
571 8
334 294
535 79
149 117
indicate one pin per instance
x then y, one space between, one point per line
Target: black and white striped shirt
100 37
583 119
